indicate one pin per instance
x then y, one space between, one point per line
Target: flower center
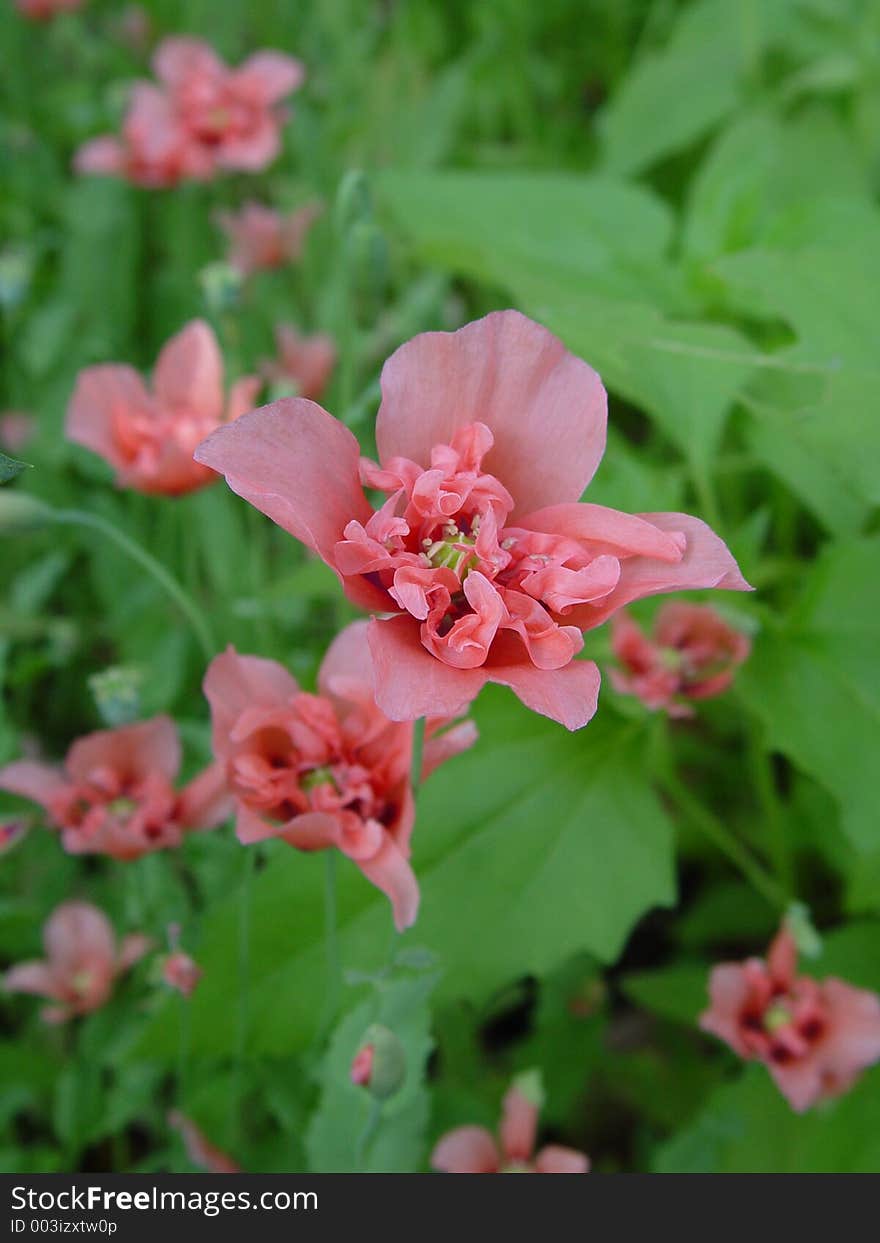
777 1016
321 776
121 806
454 551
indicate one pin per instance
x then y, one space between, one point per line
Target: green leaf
10 467
338 1140
534 845
677 992
816 684
749 1128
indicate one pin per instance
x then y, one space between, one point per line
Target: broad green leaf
589 231
338 1139
749 1128
534 845
676 95
677 992
825 389
816 685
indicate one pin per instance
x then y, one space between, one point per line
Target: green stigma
322 776
776 1017
449 550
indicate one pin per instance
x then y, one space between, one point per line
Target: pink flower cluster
814 1036
482 565
261 238
692 654
201 118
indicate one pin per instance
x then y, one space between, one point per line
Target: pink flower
305 362
262 238
202 119
115 794
693 654
487 437
199 1149
181 972
474 1150
82 962
16 430
325 770
148 436
815 1037
43 10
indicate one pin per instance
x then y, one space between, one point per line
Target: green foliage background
686 194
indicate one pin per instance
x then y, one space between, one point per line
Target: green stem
369 1132
331 940
707 823
772 816
189 608
244 984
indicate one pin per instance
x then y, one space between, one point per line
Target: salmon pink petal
569 695
519 1126
133 948
390 872
608 531
78 931
561 589
104 395
205 802
295 463
545 408
555 1159
242 396
445 745
103 156
32 977
179 56
782 957
315 830
271 75
347 663
853 1043
199 1149
799 1081
250 827
729 990
254 150
466 1150
409 682
32 780
144 749
706 562
189 372
235 683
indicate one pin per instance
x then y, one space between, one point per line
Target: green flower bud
380 1062
117 695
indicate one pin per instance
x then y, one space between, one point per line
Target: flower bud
117 695
221 287
181 972
380 1062
800 925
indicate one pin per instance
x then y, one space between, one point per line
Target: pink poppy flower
148 436
814 1036
692 654
17 429
325 770
44 10
199 1149
474 1150
115 794
82 962
181 972
231 115
260 237
305 362
487 437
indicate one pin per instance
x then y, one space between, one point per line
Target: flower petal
297 464
78 931
519 1126
32 977
466 1150
205 802
188 375
32 780
555 1159
234 683
145 749
102 396
271 75
545 407
391 872
569 695
133 948
409 682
